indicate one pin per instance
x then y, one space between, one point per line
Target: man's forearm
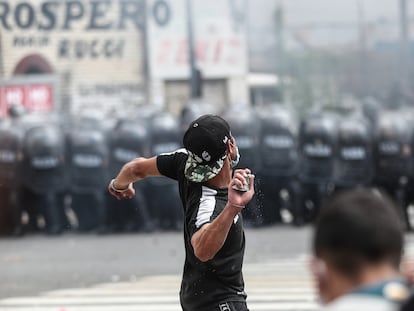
125 177
136 170
211 237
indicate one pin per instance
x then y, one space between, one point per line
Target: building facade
218 28
94 49
111 54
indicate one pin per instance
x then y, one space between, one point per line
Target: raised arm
122 186
210 238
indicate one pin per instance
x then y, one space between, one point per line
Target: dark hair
356 228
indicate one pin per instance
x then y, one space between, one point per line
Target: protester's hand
128 193
241 198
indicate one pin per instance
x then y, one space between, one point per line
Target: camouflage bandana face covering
196 172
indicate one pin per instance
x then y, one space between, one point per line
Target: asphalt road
36 263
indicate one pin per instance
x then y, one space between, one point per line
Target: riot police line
54 171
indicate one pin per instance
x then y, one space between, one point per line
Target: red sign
34 97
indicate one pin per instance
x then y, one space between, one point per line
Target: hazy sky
305 11
299 11
314 21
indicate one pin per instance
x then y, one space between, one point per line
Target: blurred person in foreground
213 229
358 245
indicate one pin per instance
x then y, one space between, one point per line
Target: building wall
219 47
177 94
95 47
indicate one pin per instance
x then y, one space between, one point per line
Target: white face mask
236 161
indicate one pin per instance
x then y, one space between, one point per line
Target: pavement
36 263
279 284
141 272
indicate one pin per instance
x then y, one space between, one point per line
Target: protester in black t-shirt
213 229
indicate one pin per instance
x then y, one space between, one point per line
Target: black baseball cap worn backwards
206 142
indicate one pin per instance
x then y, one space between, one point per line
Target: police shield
11 143
353 165
162 193
88 172
317 145
278 143
44 173
393 158
392 149
279 162
127 141
317 151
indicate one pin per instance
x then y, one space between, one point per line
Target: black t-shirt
206 284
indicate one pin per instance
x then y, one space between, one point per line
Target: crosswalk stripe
281 284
